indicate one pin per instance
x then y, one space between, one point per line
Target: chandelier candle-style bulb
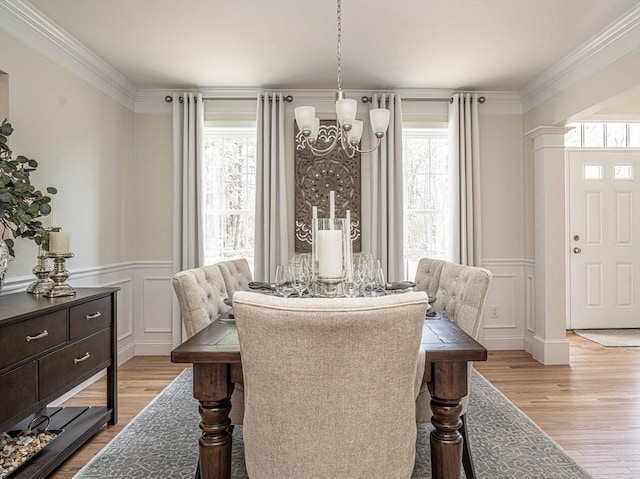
355 133
346 110
332 204
306 119
379 121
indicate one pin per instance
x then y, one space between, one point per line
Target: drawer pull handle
83 358
38 336
93 316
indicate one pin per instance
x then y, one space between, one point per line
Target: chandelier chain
339 46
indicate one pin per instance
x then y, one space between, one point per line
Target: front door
604 241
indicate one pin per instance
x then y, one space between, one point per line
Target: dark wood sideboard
48 346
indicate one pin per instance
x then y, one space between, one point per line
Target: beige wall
502 187
83 141
153 190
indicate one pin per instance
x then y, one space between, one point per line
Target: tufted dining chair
201 293
236 274
330 385
459 293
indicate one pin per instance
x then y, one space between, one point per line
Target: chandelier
348 130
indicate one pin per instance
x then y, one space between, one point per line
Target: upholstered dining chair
236 274
459 293
330 385
201 293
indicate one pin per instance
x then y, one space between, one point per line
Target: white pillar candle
330 253
332 204
59 242
314 212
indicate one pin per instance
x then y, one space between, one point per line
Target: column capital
548 136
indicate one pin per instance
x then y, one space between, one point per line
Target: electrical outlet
495 311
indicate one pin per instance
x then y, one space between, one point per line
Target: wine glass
300 274
284 280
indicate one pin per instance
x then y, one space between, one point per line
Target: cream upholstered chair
460 293
236 274
330 385
201 293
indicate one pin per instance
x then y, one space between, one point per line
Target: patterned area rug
611 337
162 441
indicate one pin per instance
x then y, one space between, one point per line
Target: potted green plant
22 205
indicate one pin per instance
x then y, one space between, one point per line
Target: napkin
260 285
400 285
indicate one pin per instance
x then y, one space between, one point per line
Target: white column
549 344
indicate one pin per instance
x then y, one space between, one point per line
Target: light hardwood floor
591 407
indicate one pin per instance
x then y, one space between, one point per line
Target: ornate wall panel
315 177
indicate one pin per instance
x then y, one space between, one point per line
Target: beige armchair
460 293
330 385
201 293
236 274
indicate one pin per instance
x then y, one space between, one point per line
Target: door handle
577 250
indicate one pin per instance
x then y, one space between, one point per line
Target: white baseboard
551 351
504 344
151 348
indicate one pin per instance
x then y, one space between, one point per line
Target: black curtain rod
289 99
169 98
367 99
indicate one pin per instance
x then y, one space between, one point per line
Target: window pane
229 194
593 135
634 135
623 172
592 172
426 185
573 138
616 135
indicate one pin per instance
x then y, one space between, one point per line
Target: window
229 193
426 196
603 135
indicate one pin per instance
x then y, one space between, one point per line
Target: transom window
603 135
426 195
229 176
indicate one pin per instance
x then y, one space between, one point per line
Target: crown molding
611 43
26 23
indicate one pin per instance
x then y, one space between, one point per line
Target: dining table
215 355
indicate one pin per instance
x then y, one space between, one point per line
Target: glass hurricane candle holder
330 240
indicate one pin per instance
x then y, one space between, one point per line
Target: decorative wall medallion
315 177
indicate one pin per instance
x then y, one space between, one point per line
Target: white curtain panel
387 232
464 144
271 221
188 154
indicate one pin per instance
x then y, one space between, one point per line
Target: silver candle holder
59 275
41 270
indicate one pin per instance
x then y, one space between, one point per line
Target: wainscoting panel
154 308
508 311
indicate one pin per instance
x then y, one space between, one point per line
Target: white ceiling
490 45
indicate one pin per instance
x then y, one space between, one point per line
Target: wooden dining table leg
448 386
212 387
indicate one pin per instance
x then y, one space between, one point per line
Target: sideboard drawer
25 339
19 391
88 317
65 366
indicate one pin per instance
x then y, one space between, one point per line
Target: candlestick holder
41 270
59 275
